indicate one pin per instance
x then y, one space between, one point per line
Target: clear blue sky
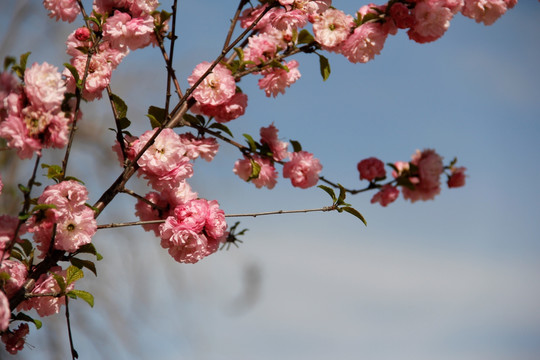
454 278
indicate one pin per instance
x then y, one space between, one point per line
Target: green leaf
158 114
23 189
53 171
24 59
40 207
222 128
87 249
194 121
23 317
61 282
251 142
329 191
325 67
296 146
73 274
8 61
123 123
154 123
305 37
120 105
73 70
354 212
79 263
26 245
15 253
85 295
240 53
342 195
255 170
4 276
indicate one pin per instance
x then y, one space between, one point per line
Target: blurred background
453 278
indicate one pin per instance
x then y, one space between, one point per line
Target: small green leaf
73 70
354 212
53 171
329 191
79 263
120 105
158 114
305 37
123 123
61 282
85 295
24 59
192 120
255 170
4 276
240 53
251 142
26 245
342 195
23 317
87 249
8 61
296 146
222 128
325 67
23 189
40 207
73 274
153 122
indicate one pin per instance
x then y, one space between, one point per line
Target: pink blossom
303 169
386 195
45 285
206 148
402 167
250 15
261 48
75 230
8 85
364 43
486 11
67 10
15 340
164 163
371 169
230 110
185 246
14 130
128 148
269 136
142 7
267 175
217 88
99 75
216 225
44 86
287 20
401 15
432 19
427 179
121 30
332 27
8 224
82 34
5 312
457 179
146 212
275 80
17 275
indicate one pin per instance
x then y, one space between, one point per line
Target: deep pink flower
82 34
67 10
371 169
386 195
269 136
432 19
486 11
217 88
427 181
15 340
401 15
303 169
276 80
457 179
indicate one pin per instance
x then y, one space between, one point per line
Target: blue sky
454 278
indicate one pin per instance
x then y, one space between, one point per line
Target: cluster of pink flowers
303 169
31 115
68 218
420 178
127 25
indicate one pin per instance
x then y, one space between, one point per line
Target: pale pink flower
303 169
74 230
15 340
99 75
332 27
68 196
486 11
432 19
250 15
128 148
46 284
142 7
217 88
261 48
17 275
8 85
145 212
287 20
67 10
5 312
427 181
386 195
8 224
44 86
267 175
206 148
276 80
121 30
185 246
364 43
164 163
371 169
457 179
14 130
230 110
216 225
269 136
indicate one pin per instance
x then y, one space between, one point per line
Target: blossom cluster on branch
40 105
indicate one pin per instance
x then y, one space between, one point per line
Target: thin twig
74 354
234 21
